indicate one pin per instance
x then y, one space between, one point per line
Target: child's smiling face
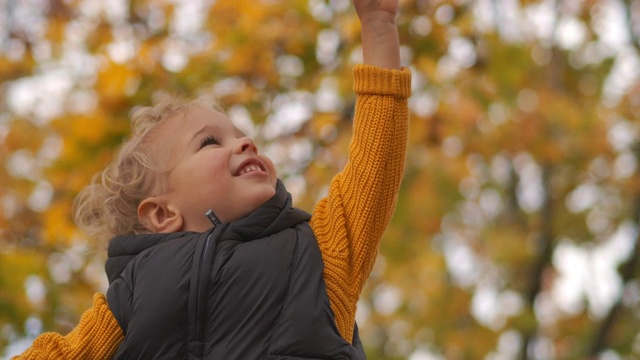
213 165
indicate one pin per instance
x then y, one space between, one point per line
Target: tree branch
545 252
635 42
627 273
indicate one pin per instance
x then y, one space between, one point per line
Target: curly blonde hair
108 206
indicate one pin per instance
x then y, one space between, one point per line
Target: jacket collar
273 216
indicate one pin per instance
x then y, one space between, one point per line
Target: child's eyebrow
197 134
237 132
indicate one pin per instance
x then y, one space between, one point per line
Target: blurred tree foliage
516 233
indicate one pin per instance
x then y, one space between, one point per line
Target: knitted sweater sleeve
349 222
97 336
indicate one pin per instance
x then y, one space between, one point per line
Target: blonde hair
108 206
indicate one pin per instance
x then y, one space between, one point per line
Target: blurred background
516 232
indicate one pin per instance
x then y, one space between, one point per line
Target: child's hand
376 10
380 45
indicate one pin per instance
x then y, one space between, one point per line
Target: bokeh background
516 232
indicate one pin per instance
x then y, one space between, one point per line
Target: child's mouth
250 166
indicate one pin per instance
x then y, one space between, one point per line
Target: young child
210 259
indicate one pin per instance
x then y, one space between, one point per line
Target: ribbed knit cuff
97 336
374 80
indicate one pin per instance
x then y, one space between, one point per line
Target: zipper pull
212 217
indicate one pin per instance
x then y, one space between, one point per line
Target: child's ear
158 216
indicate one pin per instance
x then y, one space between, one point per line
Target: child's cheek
271 168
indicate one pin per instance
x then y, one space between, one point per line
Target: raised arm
350 221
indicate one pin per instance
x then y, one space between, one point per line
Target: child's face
215 166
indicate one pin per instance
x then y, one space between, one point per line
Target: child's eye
209 140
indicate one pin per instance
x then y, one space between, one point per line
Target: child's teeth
248 169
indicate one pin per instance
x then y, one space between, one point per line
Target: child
210 259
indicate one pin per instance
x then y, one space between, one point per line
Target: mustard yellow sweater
348 223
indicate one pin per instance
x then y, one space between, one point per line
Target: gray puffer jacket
250 289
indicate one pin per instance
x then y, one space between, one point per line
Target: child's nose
247 144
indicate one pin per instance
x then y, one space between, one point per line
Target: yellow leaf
115 82
58 227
